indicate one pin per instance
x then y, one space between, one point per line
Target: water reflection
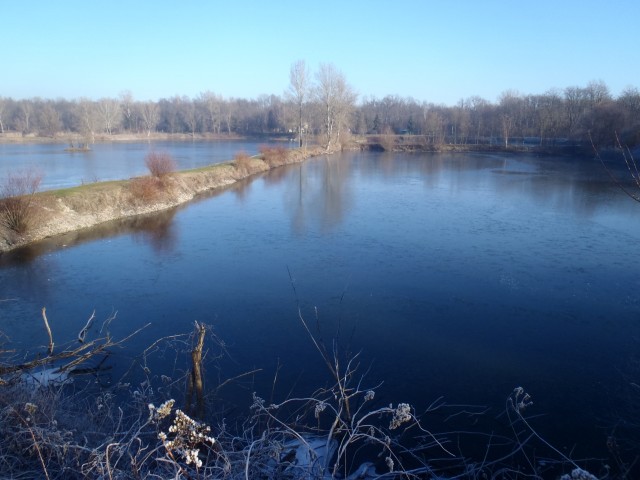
155 229
319 194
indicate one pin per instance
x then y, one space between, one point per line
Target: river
459 276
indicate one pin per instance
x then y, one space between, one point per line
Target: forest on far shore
315 107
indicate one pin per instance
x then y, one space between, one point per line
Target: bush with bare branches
274 156
17 200
145 189
160 164
242 162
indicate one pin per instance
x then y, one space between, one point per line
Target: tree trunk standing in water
195 384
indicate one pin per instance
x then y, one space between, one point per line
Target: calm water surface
460 276
111 161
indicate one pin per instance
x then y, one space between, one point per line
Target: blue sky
435 51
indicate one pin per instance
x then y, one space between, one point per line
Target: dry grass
242 163
274 156
145 189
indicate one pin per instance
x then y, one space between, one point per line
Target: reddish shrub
17 200
145 189
274 156
160 164
242 163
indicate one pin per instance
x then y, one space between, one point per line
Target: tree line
325 105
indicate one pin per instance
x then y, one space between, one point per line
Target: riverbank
67 210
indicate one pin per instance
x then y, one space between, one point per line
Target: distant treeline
556 117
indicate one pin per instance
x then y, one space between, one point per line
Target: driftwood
70 356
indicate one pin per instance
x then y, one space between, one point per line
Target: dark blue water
460 276
111 161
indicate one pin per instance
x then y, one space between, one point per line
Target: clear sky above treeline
435 51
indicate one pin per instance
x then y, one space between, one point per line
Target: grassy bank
66 210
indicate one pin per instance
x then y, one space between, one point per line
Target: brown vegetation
242 162
17 199
274 156
160 164
149 189
145 189
386 142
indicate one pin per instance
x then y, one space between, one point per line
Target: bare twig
631 164
35 442
46 325
83 333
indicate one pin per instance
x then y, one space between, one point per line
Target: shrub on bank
150 188
274 156
17 200
145 189
242 163
160 164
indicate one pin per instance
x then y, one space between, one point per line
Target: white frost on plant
578 474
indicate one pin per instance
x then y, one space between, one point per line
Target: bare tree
3 105
48 119
150 116
299 91
88 119
228 109
110 113
337 99
126 105
191 116
26 110
212 105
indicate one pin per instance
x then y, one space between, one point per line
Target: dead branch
77 355
195 383
83 333
630 162
46 325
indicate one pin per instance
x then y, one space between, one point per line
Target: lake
459 276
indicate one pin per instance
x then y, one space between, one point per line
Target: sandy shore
63 211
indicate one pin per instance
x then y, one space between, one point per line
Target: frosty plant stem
48 328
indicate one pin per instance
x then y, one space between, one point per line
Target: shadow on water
154 229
